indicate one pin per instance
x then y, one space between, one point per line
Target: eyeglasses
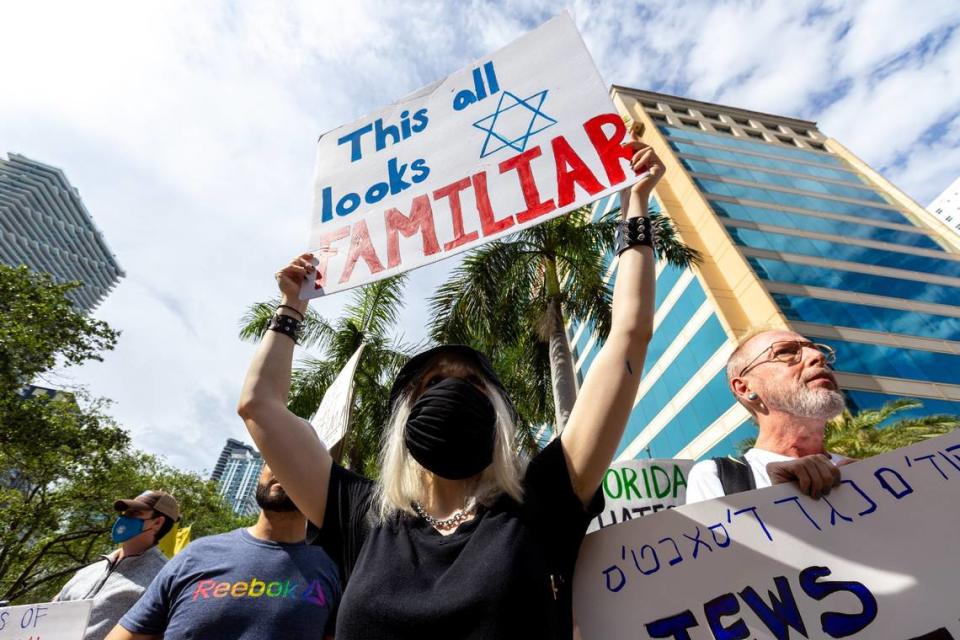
789 351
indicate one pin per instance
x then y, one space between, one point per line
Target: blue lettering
781 614
839 625
725 605
673 627
904 491
356 152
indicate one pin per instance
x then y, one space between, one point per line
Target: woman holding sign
460 538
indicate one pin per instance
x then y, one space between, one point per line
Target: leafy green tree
515 296
63 461
370 319
39 328
866 434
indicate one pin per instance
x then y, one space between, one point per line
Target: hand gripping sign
513 140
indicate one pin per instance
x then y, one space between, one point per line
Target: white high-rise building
946 206
45 226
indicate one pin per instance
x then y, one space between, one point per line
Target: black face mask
450 430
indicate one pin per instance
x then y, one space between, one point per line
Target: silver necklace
458 516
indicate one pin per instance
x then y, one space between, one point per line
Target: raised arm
288 443
603 405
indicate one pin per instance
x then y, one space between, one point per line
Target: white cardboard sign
637 488
45 621
878 558
513 140
333 416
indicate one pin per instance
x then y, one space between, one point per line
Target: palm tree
864 435
370 320
516 295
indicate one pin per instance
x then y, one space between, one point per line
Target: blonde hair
403 479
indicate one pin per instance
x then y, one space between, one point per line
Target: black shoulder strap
735 475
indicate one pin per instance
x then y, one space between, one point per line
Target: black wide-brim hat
415 367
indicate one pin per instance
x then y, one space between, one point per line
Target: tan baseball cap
159 501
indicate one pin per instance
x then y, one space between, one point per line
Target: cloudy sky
189 129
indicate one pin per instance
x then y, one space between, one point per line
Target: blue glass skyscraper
796 232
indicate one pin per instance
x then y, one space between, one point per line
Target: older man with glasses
787 384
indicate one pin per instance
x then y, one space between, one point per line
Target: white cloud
190 127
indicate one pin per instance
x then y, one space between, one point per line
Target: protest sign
333 416
636 488
46 621
513 140
876 559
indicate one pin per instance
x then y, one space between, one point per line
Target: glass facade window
792 220
684 308
790 182
695 416
862 400
815 171
853 281
744 192
755 147
848 252
861 316
680 371
895 362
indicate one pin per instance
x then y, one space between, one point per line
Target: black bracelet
632 232
287 325
296 311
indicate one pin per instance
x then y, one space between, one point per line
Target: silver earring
752 396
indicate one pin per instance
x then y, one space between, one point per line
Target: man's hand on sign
815 474
290 279
645 160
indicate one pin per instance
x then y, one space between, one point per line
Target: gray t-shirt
234 587
114 586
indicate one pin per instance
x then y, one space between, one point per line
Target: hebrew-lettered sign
637 488
513 140
878 558
45 621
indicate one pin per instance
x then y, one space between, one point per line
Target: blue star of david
538 122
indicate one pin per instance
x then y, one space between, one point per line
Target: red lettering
488 222
452 191
202 588
325 252
531 195
611 150
421 217
571 172
360 247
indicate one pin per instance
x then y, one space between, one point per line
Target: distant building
947 206
45 226
237 470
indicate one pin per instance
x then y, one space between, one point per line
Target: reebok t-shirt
234 586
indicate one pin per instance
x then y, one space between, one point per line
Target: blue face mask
125 528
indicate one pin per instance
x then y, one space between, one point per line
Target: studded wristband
631 233
287 325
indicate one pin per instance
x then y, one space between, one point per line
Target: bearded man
251 583
787 384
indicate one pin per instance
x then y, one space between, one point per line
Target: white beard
800 400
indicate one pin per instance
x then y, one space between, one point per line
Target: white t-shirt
703 481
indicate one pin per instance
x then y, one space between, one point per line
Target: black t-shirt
505 574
